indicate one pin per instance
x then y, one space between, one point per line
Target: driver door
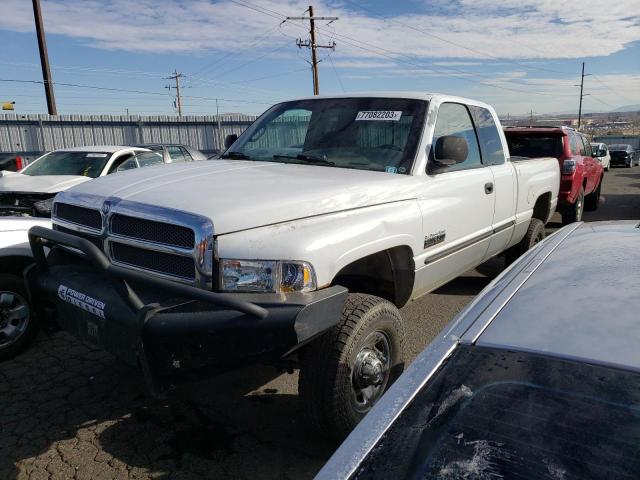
457 204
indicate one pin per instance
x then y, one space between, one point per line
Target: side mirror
451 150
230 140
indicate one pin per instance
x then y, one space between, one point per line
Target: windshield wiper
306 158
236 156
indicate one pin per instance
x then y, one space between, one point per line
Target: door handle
488 188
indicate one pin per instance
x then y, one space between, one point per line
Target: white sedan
31 190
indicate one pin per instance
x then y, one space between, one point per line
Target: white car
315 226
16 328
601 152
31 190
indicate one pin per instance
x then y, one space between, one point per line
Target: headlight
266 276
43 207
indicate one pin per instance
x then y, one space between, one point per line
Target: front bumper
173 332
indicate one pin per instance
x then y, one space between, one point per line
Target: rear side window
186 154
586 145
176 154
488 135
147 159
577 148
490 413
454 120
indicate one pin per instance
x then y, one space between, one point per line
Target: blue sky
518 55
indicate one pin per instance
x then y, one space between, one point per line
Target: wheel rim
14 317
371 370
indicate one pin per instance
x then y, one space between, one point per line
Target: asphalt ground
70 411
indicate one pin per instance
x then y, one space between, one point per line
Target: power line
336 72
141 92
450 42
221 60
393 55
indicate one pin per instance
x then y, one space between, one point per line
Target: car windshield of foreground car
534 146
491 413
379 134
85 164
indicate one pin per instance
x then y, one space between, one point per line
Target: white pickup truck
297 247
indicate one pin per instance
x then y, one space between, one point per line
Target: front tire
346 371
535 234
573 213
17 326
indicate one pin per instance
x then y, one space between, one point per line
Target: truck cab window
490 140
453 120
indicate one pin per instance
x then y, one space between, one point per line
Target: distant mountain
628 108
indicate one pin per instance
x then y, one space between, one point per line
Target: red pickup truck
582 175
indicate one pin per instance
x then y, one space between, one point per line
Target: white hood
18 182
237 195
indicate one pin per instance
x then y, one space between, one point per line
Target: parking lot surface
70 411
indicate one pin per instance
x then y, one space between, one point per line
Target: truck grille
87 236
160 262
152 231
172 243
86 217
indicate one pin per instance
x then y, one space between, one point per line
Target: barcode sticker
96 155
388 115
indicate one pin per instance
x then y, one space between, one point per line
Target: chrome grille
159 262
97 241
87 217
152 231
171 243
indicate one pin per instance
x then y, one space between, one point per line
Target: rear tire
17 325
535 234
345 372
573 213
592 201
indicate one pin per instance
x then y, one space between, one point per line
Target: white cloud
509 29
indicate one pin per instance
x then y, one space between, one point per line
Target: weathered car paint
511 313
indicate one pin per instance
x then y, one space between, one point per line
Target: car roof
573 296
415 95
580 302
98 148
562 130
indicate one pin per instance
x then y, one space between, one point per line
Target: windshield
379 134
490 413
84 164
534 146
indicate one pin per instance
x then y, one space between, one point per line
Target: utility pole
582 95
531 119
176 76
44 59
313 45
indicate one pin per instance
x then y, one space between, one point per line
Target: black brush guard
173 332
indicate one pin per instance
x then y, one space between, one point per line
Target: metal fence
39 133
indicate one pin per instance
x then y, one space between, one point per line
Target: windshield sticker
387 115
81 300
96 155
391 169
